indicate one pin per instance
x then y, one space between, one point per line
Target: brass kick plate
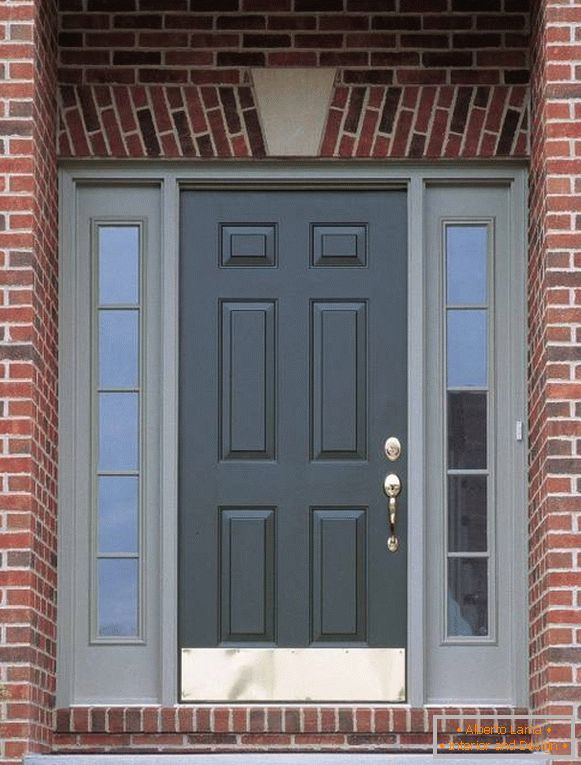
293 674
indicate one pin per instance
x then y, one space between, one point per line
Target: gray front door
293 372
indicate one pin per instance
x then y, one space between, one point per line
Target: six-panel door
293 372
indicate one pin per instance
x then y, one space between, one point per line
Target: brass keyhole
392 448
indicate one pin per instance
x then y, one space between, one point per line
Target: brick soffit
415 121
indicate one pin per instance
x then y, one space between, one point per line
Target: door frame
170 177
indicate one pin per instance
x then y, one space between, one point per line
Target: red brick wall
416 78
133 75
374 41
554 360
28 270
537 356
231 729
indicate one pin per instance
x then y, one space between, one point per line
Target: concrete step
324 758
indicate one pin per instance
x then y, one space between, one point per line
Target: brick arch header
427 122
159 121
223 121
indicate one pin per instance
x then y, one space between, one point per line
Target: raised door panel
247 611
338 574
247 378
248 244
338 380
339 244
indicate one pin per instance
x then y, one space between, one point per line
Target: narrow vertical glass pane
467 513
466 264
467 596
118 597
118 265
118 514
467 349
118 431
118 349
466 430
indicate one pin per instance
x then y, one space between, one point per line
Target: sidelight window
117 402
467 370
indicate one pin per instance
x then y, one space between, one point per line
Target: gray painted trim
213 170
66 399
170 175
75 461
169 440
510 455
519 332
416 439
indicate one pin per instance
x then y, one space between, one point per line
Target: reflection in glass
466 264
118 265
118 600
466 430
467 352
118 349
118 431
467 513
118 514
467 596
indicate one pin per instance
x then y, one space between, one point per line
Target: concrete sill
323 758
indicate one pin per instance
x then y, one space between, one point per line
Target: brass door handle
392 490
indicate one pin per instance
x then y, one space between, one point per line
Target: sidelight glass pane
467 596
118 514
118 598
466 430
467 513
117 317
118 349
118 431
467 349
466 265
118 265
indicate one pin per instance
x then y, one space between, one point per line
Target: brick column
554 354
28 392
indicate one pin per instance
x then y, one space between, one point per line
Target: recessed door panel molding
339 244
339 380
248 245
339 574
247 378
247 574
